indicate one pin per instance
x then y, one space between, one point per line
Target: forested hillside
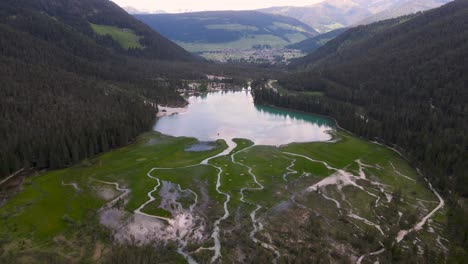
403 84
68 93
82 15
402 8
312 44
329 15
218 30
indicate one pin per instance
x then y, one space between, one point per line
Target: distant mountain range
403 8
332 14
214 31
133 11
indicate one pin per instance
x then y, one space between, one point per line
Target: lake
232 114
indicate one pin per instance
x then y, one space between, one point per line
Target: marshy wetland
247 184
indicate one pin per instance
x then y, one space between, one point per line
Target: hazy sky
201 5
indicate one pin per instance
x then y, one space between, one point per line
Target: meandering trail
151 199
289 169
125 192
11 176
367 222
401 235
341 178
216 229
215 235
72 184
380 251
401 174
257 226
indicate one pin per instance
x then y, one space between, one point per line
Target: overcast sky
202 5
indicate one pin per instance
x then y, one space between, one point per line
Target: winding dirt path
342 178
257 225
215 235
401 235
125 192
289 169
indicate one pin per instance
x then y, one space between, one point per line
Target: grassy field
126 38
271 197
245 43
232 27
283 91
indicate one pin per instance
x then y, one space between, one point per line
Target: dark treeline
312 44
79 14
51 118
404 85
195 27
65 96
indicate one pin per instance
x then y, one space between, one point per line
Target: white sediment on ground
378 252
367 222
341 178
289 169
182 227
401 174
72 184
401 235
338 205
257 225
124 193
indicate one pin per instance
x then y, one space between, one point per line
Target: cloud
201 5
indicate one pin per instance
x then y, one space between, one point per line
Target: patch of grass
46 208
245 43
283 91
125 37
288 27
152 209
333 26
232 27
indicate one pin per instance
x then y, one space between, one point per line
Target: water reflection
232 114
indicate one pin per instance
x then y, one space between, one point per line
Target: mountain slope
402 84
312 44
329 15
82 15
68 93
210 31
404 8
324 16
402 81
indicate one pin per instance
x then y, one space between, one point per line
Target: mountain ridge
242 29
329 15
79 15
59 76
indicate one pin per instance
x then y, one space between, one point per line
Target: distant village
271 56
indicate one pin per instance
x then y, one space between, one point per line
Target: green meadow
64 205
126 38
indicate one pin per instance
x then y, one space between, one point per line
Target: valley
327 133
238 36
233 202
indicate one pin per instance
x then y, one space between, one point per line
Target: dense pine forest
68 93
401 82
